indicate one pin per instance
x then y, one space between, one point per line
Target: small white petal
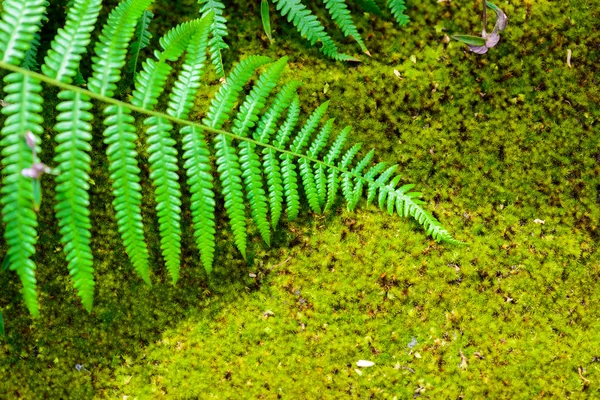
364 363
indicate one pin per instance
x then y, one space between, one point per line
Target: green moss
493 142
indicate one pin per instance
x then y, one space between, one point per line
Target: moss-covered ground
506 151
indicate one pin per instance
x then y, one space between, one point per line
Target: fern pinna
305 21
268 158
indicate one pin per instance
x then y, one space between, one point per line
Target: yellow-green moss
494 142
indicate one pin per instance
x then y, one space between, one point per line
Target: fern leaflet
142 39
397 7
18 26
218 30
309 27
342 18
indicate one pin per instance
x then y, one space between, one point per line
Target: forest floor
505 149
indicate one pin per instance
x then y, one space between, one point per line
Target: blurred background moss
506 151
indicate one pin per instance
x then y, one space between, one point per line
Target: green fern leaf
309 27
306 173
142 39
228 164
349 156
250 163
266 19
288 167
332 178
120 137
218 30
398 7
342 18
290 186
310 187
112 45
283 180
161 147
195 151
381 181
163 162
74 134
354 194
120 134
200 181
22 115
30 60
313 152
268 122
70 42
18 25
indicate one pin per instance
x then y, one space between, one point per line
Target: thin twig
484 16
587 382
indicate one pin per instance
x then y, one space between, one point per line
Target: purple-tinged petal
29 173
36 171
501 18
491 40
478 49
31 140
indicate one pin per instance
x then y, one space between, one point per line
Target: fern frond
120 135
283 177
332 178
163 162
313 152
18 25
70 42
195 151
74 135
161 146
290 185
200 181
141 40
338 167
72 156
397 7
18 213
265 128
354 194
250 163
218 30
343 19
228 164
310 187
321 140
310 28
